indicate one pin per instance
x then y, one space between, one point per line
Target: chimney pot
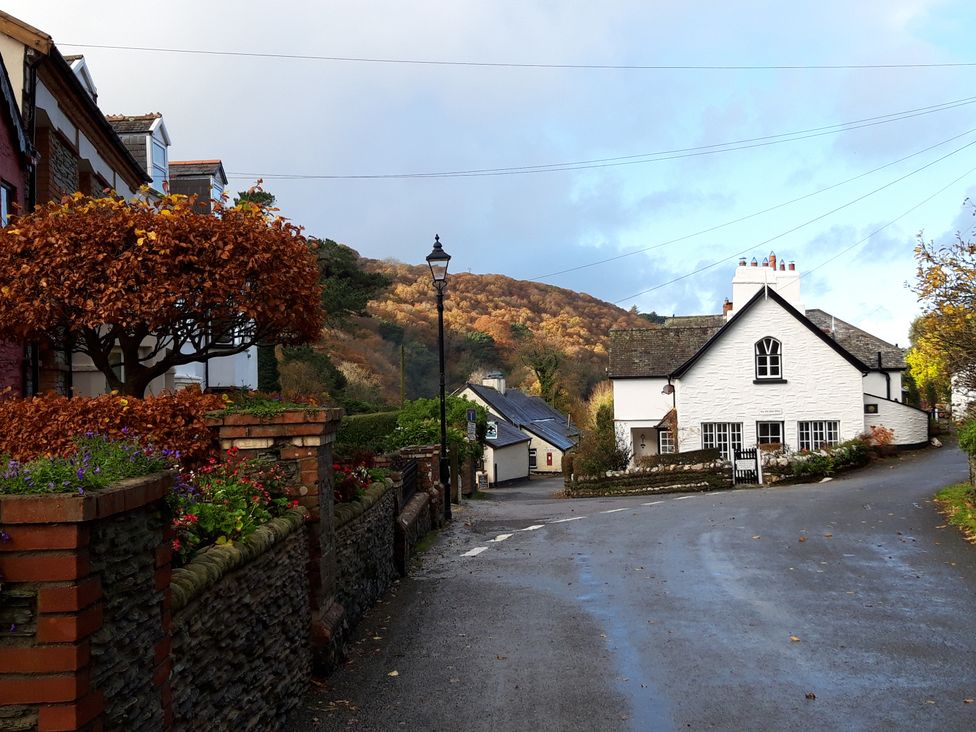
742 261
772 260
782 266
765 261
792 266
726 307
754 263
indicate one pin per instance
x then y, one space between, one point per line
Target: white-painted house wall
507 463
910 425
821 384
638 407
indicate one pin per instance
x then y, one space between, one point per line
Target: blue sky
270 116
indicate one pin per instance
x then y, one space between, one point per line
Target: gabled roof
133 124
770 293
9 101
508 435
26 34
859 342
197 169
531 414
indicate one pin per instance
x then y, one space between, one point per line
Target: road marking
562 521
652 503
501 537
614 510
533 527
681 498
475 552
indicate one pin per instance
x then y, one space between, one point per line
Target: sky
845 201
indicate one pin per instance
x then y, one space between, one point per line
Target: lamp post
438 260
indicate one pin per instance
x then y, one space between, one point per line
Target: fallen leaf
377 637
794 639
803 539
811 695
393 673
501 658
967 701
930 701
756 536
829 536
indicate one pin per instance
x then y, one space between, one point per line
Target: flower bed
350 482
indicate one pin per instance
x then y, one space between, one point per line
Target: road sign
472 415
492 432
472 431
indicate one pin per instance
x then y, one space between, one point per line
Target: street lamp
438 260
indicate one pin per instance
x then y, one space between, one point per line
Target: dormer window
159 163
769 359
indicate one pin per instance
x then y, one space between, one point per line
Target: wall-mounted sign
492 432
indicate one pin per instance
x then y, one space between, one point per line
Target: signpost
492 432
472 431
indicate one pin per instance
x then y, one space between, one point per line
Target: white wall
237 371
640 399
507 463
821 385
910 425
12 52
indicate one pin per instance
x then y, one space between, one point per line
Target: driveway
838 605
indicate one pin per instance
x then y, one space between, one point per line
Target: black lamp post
438 260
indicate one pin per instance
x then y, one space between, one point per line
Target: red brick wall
12 173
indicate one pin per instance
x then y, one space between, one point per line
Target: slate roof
859 342
508 434
531 414
132 124
194 167
648 352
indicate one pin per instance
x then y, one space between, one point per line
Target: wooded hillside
525 329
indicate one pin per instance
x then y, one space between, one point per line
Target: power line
797 227
651 157
747 216
517 65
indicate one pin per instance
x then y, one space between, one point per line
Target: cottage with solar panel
766 372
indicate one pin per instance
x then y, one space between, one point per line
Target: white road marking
614 510
475 552
681 498
562 521
501 537
652 503
533 527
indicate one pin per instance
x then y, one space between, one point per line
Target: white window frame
726 436
7 195
815 434
769 359
766 439
665 442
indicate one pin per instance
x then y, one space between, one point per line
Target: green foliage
958 502
346 287
96 463
653 317
268 369
850 454
365 432
967 437
418 423
544 360
259 404
224 502
390 332
257 196
519 331
600 450
422 369
690 457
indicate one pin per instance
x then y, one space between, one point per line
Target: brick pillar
428 468
82 579
301 441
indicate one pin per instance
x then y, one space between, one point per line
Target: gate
409 473
745 467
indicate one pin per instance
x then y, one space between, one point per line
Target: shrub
365 432
48 425
967 437
226 501
97 462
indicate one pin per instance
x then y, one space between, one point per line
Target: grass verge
958 504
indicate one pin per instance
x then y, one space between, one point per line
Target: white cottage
764 372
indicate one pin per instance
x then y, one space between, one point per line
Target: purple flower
4 537
80 473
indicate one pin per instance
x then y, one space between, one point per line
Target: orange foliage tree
156 282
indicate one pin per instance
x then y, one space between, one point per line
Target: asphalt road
723 610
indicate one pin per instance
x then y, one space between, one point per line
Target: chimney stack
792 266
772 260
742 261
726 307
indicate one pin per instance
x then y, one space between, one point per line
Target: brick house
16 156
77 150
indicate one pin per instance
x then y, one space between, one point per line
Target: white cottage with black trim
765 372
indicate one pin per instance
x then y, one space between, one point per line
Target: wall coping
346 512
60 508
323 415
213 563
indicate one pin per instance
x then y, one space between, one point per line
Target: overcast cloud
273 116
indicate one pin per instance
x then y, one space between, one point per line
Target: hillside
491 322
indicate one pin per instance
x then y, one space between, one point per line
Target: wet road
705 611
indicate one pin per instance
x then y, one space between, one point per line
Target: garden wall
241 656
648 481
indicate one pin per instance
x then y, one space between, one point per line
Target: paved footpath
845 605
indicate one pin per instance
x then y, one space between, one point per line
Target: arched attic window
769 359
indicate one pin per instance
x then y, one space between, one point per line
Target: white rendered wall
239 371
640 399
507 463
12 52
910 425
748 280
821 385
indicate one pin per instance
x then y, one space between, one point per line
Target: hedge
365 432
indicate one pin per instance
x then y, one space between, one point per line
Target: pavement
843 605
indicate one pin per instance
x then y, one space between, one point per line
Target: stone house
765 372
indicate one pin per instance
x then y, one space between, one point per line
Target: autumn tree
156 282
926 365
544 359
945 283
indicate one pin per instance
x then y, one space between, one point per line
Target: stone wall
648 481
364 549
241 656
